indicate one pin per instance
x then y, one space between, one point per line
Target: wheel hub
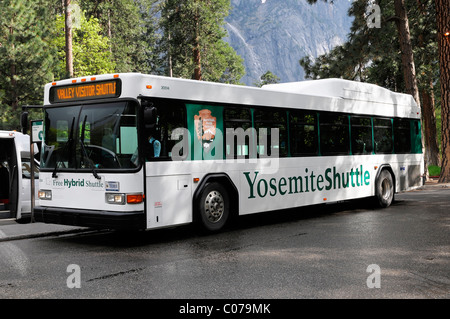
386 189
214 206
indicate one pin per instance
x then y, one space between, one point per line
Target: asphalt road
347 250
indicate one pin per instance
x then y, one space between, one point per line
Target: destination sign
85 91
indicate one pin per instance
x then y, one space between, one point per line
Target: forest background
47 40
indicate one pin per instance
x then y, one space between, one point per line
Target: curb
46 234
434 185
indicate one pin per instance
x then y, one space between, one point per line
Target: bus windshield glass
92 137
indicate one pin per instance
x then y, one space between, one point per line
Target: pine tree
404 36
365 57
149 59
131 27
267 78
68 32
193 41
91 54
26 61
426 54
443 31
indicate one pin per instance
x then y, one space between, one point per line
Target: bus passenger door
168 200
25 194
9 190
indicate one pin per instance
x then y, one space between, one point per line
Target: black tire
213 207
24 220
384 189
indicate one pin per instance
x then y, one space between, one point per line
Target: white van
15 176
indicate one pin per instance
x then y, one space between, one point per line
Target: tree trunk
109 31
197 53
13 76
432 155
69 53
197 63
443 31
408 66
429 123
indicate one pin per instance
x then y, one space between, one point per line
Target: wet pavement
11 230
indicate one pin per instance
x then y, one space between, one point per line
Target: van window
26 168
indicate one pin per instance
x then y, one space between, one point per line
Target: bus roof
335 95
345 89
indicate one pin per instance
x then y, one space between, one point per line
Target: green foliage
373 54
267 78
224 65
196 27
114 36
91 50
434 170
131 27
149 58
25 58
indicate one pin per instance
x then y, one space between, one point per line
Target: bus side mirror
150 116
24 122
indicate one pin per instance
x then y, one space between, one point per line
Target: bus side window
265 121
236 118
382 129
171 115
402 136
303 133
361 130
334 134
416 137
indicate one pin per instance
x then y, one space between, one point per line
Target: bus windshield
91 137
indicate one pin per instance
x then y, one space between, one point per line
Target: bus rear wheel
384 189
213 207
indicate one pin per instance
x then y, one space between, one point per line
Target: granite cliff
273 35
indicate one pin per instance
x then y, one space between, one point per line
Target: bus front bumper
88 218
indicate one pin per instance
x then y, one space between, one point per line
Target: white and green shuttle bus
15 176
141 151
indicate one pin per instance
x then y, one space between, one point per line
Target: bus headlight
115 198
45 194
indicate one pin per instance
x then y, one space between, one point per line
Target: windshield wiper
83 148
69 141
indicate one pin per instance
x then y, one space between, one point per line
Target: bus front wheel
384 191
213 207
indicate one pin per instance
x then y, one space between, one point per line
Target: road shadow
112 238
306 213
